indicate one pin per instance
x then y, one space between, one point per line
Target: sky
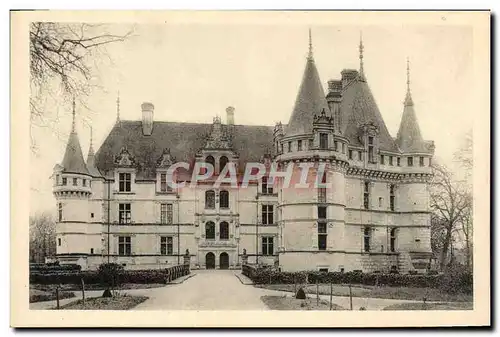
192 72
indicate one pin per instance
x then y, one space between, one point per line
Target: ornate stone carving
166 159
124 158
218 138
323 119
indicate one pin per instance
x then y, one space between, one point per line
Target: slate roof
409 138
73 161
359 107
93 171
310 101
184 140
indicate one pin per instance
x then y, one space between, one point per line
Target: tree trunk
444 252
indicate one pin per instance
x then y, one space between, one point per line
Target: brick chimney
147 118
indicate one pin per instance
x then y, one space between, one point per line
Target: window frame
367 238
409 161
124 182
226 230
224 199
366 195
209 203
267 213
267 243
322 235
124 245
299 145
208 226
421 161
124 213
323 141
166 245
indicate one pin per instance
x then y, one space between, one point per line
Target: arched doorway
210 260
224 261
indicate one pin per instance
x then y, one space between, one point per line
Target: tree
450 201
64 61
42 237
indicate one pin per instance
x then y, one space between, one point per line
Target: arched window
224 230
222 163
210 160
224 199
210 199
210 230
393 240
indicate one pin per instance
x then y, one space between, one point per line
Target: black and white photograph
272 163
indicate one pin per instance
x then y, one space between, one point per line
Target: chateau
118 206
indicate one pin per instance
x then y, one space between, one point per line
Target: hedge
449 282
52 268
125 276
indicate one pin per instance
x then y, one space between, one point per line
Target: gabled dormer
163 178
369 134
125 171
323 128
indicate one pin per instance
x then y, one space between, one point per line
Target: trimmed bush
301 294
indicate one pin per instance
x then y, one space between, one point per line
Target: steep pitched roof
359 107
310 101
73 161
409 138
184 140
94 172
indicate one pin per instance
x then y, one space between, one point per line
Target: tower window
91 250
124 182
343 148
289 146
322 212
323 141
399 161
299 145
366 195
59 241
64 181
382 159
75 181
84 182
421 160
366 239
350 154
336 146
390 161
360 155
371 158
393 240
92 215
322 236
124 214
267 214
392 197
60 211
410 161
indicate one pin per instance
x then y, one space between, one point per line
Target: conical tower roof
73 161
409 138
310 100
94 172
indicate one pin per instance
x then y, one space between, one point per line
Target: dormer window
323 141
222 163
75 181
210 160
289 146
64 181
164 186
299 145
371 158
421 159
124 182
410 161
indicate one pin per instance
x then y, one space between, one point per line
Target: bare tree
450 200
42 237
64 61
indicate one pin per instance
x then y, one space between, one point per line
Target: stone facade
374 216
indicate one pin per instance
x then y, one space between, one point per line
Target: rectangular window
410 161
124 182
366 195
299 145
392 197
166 245
343 148
75 181
92 215
84 182
336 146
267 214
65 181
59 241
421 160
390 161
310 145
360 155
323 141
371 158
289 146
382 159
124 214
350 154
91 250
366 239
281 145
323 270
267 245
322 235
60 211
322 212
322 195
163 182
163 213
124 246
170 214
399 161
266 188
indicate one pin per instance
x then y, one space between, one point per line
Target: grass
77 287
399 293
432 306
125 302
291 303
37 295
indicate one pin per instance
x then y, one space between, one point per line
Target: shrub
107 293
301 295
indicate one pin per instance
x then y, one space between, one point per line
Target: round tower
72 189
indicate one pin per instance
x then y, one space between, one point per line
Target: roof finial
73 126
310 55
361 47
91 136
408 99
118 107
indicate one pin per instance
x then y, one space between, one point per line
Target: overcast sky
193 72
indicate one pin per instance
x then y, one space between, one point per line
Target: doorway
210 260
224 261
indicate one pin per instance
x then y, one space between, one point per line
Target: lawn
432 306
125 302
401 293
37 295
291 303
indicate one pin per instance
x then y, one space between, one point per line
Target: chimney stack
230 115
334 99
147 118
348 75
